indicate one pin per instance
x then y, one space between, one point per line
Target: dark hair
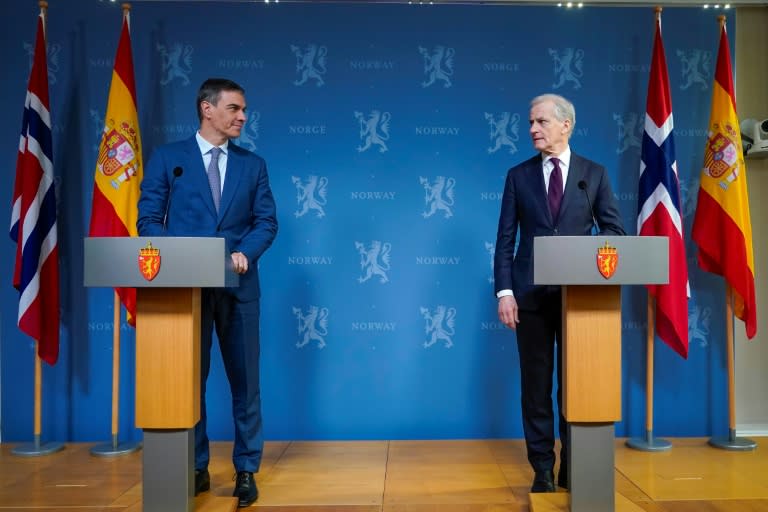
210 91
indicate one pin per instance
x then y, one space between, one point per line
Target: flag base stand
732 442
115 448
37 449
649 443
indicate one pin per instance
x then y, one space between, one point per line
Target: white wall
752 101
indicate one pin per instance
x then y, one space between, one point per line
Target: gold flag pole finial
44 12
721 20
127 13
657 12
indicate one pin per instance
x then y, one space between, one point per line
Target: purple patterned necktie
214 178
555 192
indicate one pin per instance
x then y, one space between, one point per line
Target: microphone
583 186
177 171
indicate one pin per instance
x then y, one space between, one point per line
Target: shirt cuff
504 293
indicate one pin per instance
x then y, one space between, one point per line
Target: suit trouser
539 345
237 328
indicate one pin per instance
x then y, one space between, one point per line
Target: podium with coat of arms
591 276
168 274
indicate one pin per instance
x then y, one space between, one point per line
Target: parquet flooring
395 476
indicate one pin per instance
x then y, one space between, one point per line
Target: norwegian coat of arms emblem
149 261
607 260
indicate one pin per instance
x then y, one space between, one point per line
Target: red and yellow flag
722 228
119 167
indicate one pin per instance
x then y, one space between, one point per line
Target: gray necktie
214 178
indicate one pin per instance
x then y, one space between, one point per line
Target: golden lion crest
607 260
149 261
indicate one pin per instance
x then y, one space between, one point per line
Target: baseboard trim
752 429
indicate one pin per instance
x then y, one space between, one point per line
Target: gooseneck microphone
583 186
177 171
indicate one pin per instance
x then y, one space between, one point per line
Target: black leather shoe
202 481
245 489
562 477
543 481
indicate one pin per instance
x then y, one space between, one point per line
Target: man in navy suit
552 194
207 186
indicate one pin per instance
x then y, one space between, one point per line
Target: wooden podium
168 273
591 271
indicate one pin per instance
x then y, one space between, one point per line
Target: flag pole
731 442
37 448
648 443
116 448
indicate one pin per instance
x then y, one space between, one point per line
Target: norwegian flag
33 217
658 203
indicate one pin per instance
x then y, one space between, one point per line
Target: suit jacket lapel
198 173
536 170
231 180
576 173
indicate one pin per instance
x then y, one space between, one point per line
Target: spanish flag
722 228
119 167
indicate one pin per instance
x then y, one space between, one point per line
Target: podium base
168 476
649 443
36 448
732 442
115 448
591 466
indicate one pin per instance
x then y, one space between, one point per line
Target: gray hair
563 108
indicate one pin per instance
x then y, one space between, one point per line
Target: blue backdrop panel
388 131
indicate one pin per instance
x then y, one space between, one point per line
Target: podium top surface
176 262
600 260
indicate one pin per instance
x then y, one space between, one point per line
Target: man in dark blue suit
552 194
207 186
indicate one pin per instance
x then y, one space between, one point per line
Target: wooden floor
395 476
